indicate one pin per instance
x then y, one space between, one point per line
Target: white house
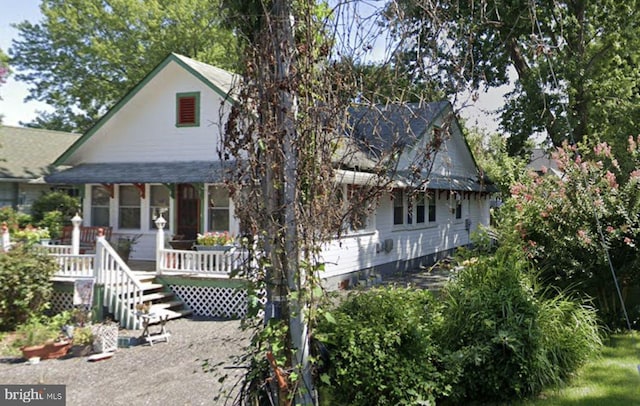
156 151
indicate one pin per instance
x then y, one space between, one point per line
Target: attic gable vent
188 109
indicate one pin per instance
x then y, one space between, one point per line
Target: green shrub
14 219
53 221
25 285
61 202
382 352
511 341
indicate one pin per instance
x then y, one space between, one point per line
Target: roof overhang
453 183
142 172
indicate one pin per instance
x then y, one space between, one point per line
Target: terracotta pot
47 351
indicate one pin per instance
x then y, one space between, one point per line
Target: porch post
75 234
6 238
160 223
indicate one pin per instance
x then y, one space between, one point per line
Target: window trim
410 210
196 108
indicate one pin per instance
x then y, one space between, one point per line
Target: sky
12 106
14 110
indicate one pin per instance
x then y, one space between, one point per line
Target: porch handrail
123 292
213 263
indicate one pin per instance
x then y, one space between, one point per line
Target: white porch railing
205 263
122 290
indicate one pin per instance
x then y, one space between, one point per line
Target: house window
420 208
188 109
129 207
458 209
158 203
432 208
359 210
100 198
218 208
398 207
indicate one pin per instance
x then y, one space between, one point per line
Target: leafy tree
490 152
575 62
580 227
86 54
4 71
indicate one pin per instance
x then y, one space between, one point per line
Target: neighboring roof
541 161
143 172
385 127
219 80
27 153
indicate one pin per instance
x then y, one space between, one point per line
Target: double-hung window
159 199
417 209
100 198
218 208
129 208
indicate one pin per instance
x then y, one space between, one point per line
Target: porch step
150 297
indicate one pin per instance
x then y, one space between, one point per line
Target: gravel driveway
167 373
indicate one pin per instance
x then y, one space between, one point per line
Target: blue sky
12 106
14 109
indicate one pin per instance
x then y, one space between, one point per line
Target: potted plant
214 241
39 338
125 245
82 341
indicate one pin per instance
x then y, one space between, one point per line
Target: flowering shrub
562 223
215 238
31 234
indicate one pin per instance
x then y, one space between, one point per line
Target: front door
188 219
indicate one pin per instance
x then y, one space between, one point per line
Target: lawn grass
612 379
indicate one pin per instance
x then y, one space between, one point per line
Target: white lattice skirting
61 301
210 301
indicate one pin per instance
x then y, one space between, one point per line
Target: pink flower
611 178
610 229
629 242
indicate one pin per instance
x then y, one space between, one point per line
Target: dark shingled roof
383 128
143 172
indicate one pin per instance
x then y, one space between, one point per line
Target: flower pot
47 351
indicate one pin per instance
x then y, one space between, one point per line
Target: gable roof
219 80
27 153
393 126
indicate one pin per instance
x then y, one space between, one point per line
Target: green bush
14 219
25 285
511 341
382 352
61 202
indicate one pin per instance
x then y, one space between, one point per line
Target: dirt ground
167 373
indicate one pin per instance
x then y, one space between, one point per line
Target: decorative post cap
76 220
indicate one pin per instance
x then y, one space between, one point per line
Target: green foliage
382 350
84 56
565 224
511 341
575 62
40 329
67 205
14 219
25 285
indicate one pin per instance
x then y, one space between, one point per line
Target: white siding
358 252
144 128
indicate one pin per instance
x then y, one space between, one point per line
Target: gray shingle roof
27 153
385 127
143 172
